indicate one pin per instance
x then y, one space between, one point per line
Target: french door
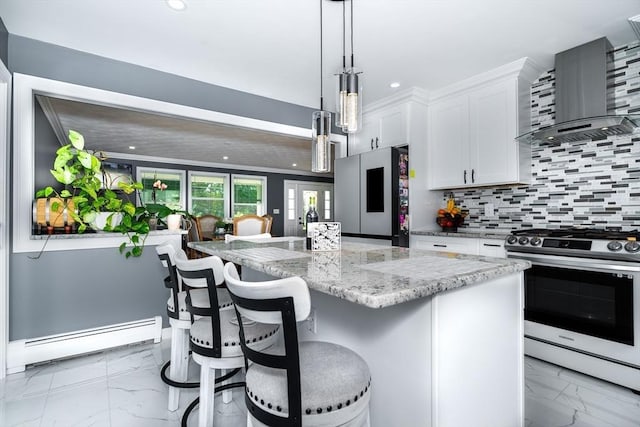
297 199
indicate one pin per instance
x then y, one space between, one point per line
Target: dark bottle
312 216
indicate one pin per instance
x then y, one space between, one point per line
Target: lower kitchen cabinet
461 245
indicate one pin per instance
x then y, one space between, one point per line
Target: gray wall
71 290
41 59
4 44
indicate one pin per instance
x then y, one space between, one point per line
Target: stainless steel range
582 299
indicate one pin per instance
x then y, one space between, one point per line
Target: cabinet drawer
492 247
446 244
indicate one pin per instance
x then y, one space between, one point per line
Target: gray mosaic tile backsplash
592 183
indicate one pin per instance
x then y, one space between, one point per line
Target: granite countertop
370 275
475 234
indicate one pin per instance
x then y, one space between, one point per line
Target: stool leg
178 371
207 393
227 394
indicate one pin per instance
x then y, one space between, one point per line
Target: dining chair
309 383
268 223
214 335
193 236
206 225
249 224
180 321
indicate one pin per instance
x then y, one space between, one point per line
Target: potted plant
83 195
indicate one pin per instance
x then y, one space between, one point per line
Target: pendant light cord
321 89
344 37
352 61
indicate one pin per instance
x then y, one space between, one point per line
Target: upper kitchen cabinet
472 128
390 122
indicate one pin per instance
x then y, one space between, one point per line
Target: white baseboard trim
21 353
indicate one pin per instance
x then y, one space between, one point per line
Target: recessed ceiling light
132 147
394 85
294 165
177 4
225 157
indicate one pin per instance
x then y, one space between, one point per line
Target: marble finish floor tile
122 388
558 397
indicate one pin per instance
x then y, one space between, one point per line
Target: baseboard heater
21 353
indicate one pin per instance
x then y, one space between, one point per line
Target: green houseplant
80 171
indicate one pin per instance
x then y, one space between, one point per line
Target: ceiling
271 47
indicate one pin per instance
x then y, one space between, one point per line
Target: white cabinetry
384 128
491 247
461 245
472 130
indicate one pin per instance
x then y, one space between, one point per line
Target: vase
100 222
153 223
174 221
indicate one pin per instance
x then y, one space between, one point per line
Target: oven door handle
569 262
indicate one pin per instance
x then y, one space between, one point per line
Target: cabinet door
448 143
492 130
461 245
364 140
492 247
346 189
393 127
375 192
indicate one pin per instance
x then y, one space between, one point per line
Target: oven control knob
512 240
632 247
523 240
536 241
614 246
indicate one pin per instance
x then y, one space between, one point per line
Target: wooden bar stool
214 335
298 384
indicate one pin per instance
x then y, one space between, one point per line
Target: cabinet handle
439 246
376 142
473 175
492 245
372 143
465 176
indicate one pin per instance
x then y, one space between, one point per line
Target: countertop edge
467 234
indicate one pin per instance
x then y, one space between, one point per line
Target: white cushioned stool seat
257 335
332 378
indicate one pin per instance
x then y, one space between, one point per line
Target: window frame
246 176
183 177
227 189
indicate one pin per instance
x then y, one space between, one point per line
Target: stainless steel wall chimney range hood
582 98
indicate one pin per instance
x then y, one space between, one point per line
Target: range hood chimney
582 98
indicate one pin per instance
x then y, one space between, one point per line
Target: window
209 194
327 206
173 196
249 195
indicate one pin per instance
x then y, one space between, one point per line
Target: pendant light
349 99
321 127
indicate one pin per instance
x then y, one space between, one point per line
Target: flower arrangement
157 186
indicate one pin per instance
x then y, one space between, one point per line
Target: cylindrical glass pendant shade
353 106
341 99
321 142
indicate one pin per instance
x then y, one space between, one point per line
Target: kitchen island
441 332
